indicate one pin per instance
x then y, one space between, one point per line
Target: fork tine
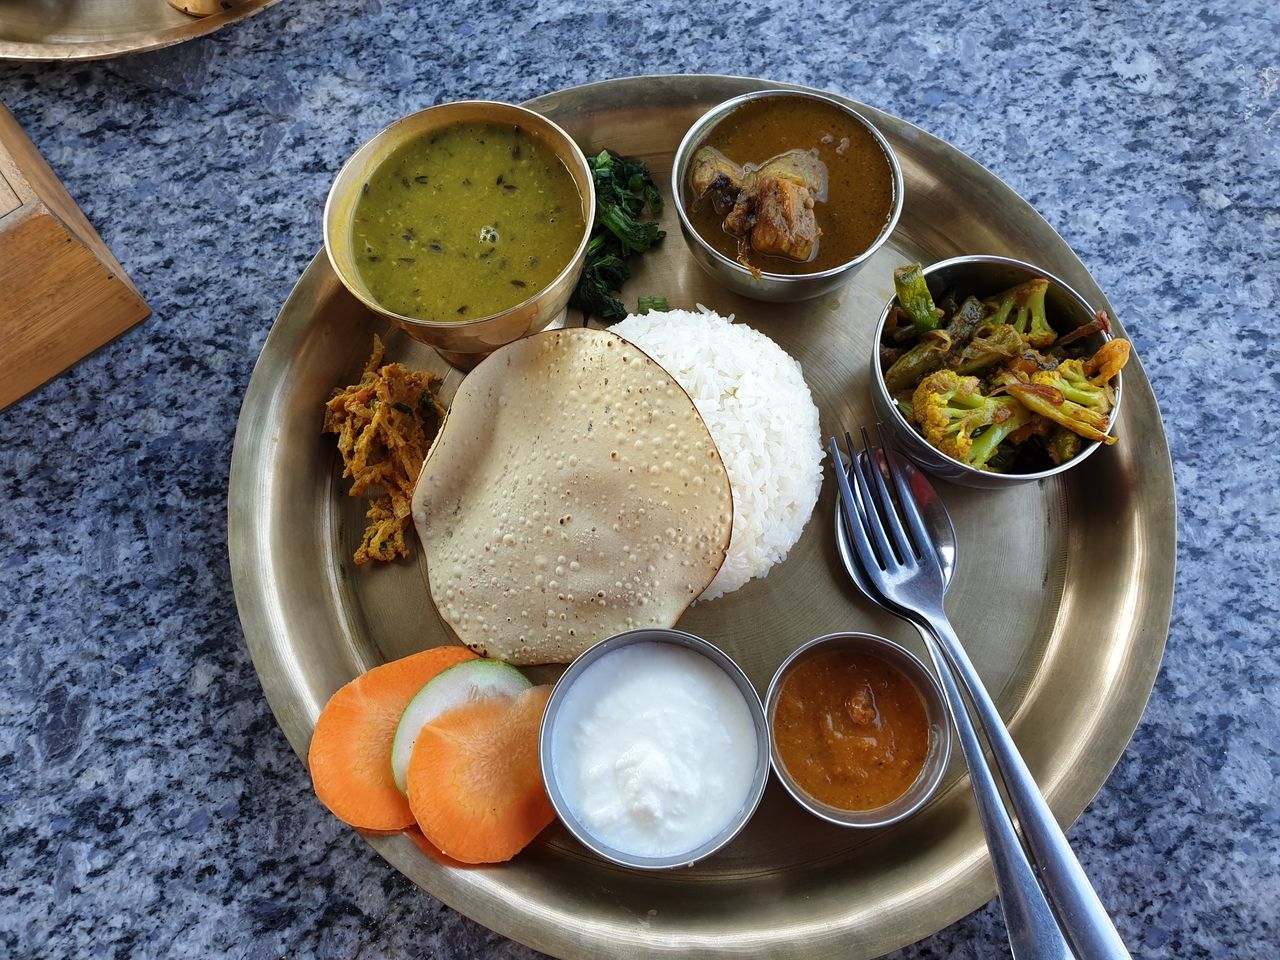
925 547
887 509
851 510
874 526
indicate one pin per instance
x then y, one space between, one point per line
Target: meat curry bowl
783 195
466 224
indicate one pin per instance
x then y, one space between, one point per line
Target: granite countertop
151 806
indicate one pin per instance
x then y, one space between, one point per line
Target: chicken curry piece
790 185
770 209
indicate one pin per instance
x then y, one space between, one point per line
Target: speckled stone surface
149 806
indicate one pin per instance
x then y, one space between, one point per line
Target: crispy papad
572 493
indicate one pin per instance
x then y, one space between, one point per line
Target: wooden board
62 293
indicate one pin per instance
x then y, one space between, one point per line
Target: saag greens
624 189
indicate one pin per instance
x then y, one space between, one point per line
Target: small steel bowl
939 755
776 287
464 343
547 747
983 276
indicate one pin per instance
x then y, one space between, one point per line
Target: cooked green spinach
624 189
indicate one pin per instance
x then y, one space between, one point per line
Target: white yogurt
654 749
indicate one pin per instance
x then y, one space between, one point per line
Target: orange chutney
851 729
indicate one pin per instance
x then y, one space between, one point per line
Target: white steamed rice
758 408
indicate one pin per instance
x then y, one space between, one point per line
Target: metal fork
900 561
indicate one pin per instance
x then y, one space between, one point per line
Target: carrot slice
475 781
350 753
414 833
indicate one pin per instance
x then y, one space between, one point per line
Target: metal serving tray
1062 594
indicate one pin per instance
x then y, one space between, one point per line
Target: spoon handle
1082 915
1033 931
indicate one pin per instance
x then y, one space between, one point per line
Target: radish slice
464 683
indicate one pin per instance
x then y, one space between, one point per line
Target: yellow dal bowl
463 343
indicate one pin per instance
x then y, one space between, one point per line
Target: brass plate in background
1062 593
101 29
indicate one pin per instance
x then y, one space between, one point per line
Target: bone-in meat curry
789 185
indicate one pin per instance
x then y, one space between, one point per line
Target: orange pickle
851 729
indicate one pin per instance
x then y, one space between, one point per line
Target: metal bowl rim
719 112
568 152
740 680
128 41
936 761
997 480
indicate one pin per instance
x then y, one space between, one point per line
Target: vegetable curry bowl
1016 377
466 224
782 195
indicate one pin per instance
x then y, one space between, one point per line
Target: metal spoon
1033 931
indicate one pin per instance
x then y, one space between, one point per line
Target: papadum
572 493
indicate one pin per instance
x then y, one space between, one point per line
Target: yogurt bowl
654 749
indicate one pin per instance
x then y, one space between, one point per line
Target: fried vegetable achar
991 383
385 425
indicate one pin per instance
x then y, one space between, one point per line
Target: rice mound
754 400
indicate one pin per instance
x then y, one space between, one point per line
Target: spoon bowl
936 519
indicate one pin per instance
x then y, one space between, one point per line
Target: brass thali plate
1062 593
99 29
